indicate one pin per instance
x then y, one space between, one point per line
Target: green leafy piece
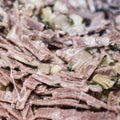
70 20
46 14
77 20
114 47
107 60
105 81
70 24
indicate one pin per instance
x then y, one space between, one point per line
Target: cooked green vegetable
46 14
77 20
105 81
107 60
114 47
77 24
70 20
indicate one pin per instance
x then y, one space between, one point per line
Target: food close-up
59 59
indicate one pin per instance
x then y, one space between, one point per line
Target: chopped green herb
70 21
114 47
